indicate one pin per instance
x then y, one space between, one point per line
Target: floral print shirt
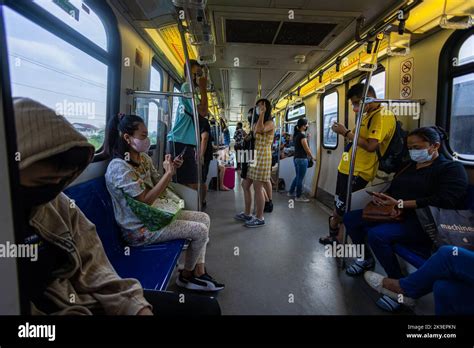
122 177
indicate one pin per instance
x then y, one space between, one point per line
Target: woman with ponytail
145 208
428 179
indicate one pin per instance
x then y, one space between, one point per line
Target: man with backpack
377 129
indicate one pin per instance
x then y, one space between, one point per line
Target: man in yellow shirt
377 128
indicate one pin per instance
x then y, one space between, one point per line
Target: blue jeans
449 274
301 165
382 236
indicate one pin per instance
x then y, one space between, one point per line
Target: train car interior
297 80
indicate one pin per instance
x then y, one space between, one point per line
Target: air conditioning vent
306 34
269 32
243 31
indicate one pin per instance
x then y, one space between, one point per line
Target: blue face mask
420 156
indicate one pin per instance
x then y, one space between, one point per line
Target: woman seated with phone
429 179
145 208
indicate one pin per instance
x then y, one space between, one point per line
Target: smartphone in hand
182 152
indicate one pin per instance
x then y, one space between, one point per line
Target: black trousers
167 303
341 190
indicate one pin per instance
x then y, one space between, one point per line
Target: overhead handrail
376 100
157 94
359 41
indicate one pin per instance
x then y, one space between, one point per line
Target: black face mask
34 196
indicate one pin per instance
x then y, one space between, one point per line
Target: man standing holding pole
377 128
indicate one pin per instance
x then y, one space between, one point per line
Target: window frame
328 92
173 83
446 74
13 171
112 57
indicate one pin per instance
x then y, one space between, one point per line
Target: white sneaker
375 282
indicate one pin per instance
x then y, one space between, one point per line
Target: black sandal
333 232
329 240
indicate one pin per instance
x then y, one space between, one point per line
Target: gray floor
280 268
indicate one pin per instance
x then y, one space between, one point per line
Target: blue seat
409 256
152 265
413 258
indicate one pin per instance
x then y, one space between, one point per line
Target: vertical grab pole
259 87
169 123
195 114
278 151
281 120
357 133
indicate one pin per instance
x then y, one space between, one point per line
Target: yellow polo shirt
382 127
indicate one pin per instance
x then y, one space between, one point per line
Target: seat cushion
152 265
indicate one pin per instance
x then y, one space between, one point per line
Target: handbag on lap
384 213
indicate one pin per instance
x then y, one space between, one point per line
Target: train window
330 115
155 77
52 71
79 17
378 82
153 109
456 110
466 52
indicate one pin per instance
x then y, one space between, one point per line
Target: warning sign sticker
406 78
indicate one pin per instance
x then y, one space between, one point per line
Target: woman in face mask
259 172
429 179
145 208
302 153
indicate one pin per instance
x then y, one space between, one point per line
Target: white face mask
420 156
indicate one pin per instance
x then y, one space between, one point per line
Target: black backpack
397 150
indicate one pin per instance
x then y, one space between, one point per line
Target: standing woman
225 133
260 171
302 152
